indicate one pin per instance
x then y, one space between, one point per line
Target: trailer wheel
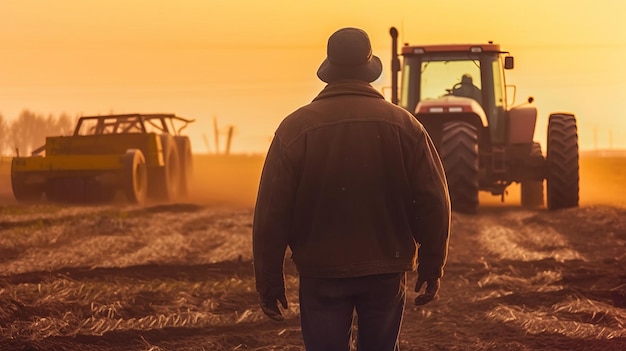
532 190
186 163
164 182
135 176
459 154
562 159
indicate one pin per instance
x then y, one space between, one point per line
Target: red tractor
459 93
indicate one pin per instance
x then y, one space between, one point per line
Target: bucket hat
349 56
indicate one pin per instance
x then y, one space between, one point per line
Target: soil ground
178 276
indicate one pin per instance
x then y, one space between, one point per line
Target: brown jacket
352 184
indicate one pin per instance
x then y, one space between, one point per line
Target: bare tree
64 125
28 132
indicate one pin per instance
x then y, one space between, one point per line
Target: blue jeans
327 307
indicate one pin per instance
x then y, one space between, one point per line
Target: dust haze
226 179
234 179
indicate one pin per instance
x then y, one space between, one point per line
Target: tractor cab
437 79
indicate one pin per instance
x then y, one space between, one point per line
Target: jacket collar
348 87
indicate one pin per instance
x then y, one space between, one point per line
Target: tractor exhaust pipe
395 64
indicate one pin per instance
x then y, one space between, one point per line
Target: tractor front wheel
459 154
562 159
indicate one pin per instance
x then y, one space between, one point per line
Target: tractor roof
451 48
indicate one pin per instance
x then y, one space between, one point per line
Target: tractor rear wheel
459 154
562 159
532 190
135 176
164 182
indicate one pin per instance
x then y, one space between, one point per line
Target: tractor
460 95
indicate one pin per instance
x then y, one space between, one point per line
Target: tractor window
404 97
409 93
441 78
498 84
497 116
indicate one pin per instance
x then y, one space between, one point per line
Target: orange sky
250 63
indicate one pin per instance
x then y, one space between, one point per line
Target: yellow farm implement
144 156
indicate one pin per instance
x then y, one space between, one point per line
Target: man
467 88
351 184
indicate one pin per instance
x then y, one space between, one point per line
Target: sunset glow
248 64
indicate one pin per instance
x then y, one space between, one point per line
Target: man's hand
269 305
432 287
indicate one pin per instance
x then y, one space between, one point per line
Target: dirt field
179 276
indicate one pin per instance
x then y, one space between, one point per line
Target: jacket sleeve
272 217
431 208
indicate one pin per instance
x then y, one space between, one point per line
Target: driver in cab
467 89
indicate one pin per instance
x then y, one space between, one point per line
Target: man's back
350 214
352 184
